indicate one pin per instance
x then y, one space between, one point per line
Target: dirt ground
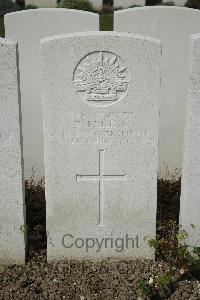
87 280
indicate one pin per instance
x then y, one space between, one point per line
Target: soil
87 280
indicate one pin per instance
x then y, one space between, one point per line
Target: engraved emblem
102 76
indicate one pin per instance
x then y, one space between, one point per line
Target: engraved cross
101 177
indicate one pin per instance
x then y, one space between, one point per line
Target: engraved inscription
9 233
102 76
6 230
101 177
101 128
5 138
4 135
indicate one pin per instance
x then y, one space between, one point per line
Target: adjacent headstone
100 106
97 4
42 3
128 3
173 26
12 240
190 191
28 27
178 2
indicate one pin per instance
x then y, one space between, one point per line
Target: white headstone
97 4
190 191
28 27
178 2
173 26
100 105
128 3
12 242
42 3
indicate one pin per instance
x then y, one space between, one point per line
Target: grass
2 31
106 22
168 201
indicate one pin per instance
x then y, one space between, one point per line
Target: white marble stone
178 2
100 103
190 191
28 27
12 239
42 3
128 3
97 4
173 26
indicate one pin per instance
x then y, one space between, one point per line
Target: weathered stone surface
28 27
97 4
128 3
190 192
179 2
42 3
100 106
12 243
173 26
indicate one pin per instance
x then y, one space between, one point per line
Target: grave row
103 106
171 25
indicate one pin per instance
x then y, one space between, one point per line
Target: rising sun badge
102 76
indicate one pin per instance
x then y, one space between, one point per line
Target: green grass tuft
2 30
106 22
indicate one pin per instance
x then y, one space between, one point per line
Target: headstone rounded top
99 34
100 75
50 10
160 8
